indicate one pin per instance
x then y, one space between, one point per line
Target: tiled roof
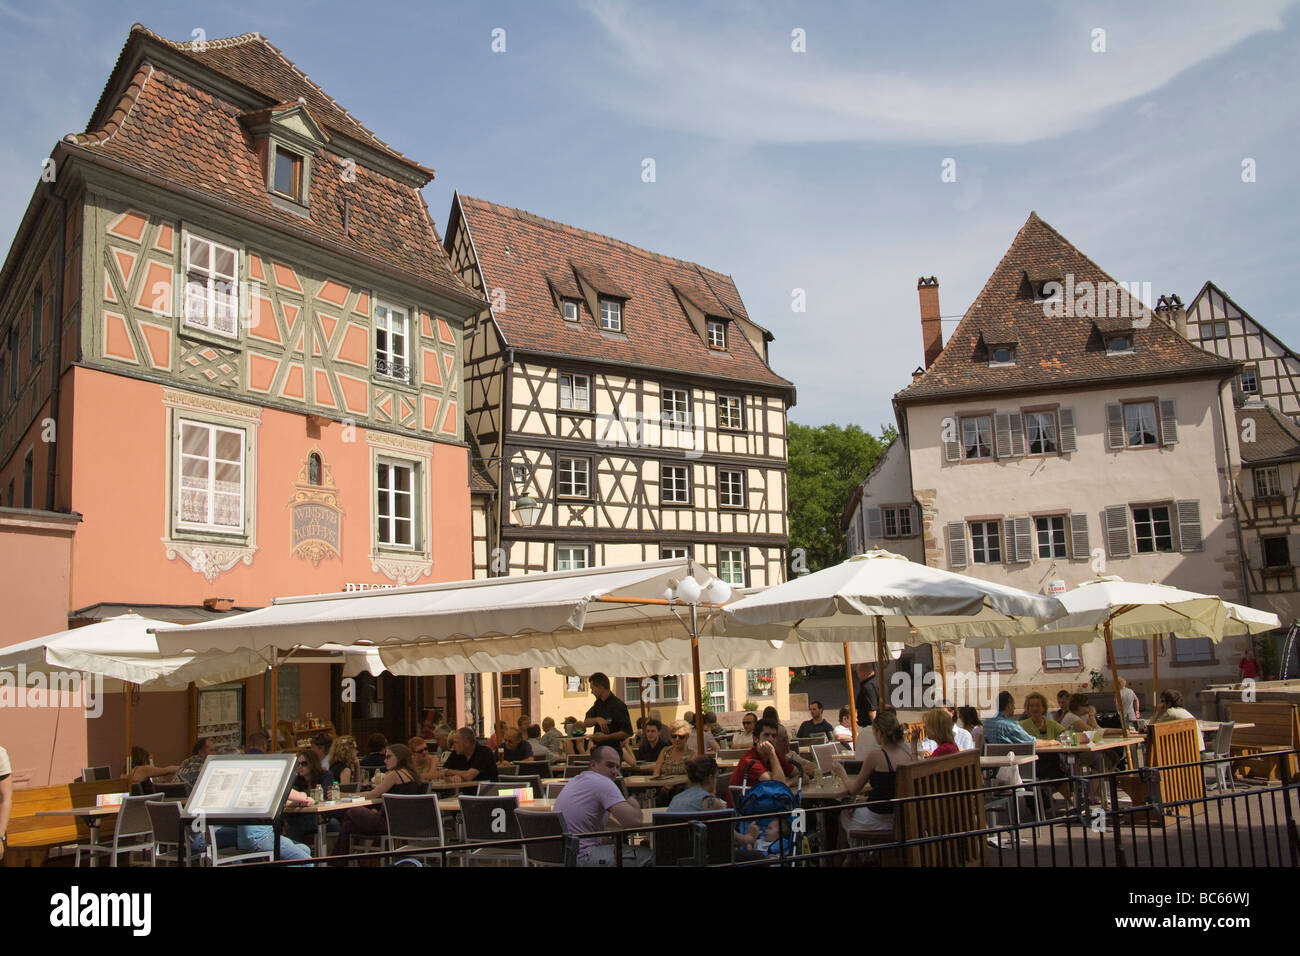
1276 436
526 256
166 127
1063 350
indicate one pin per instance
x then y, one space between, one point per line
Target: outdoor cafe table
91 816
329 806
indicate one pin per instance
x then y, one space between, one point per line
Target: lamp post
691 593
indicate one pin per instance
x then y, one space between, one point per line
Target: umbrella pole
275 704
853 704
1114 676
943 675
880 660
127 687
699 691
1155 677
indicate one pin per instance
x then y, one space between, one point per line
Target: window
13 363
731 566
611 315
391 355
211 474
897 521
1218 330
717 334
715 689
729 412
571 557
1152 528
760 681
1268 482
995 659
1040 432
986 542
1119 343
28 469
1140 424
1249 381
1130 651
1051 536
211 286
575 685
1001 355
1192 650
1276 552
977 437
395 504
287 175
38 305
731 489
575 392
675 485
574 479
676 408
570 310
673 551
662 688
1061 657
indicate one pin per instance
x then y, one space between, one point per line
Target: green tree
826 463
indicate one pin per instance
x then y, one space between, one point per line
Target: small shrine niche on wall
315 518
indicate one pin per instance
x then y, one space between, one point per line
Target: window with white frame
977 437
662 687
574 478
611 315
1051 536
575 685
1140 424
761 682
986 542
211 286
1249 381
1152 528
897 521
210 492
715 690
731 489
1040 433
1057 657
395 504
575 392
392 348
571 557
717 334
570 310
676 408
729 412
675 485
673 551
731 566
995 659
1268 482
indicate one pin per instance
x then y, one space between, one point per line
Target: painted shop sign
315 518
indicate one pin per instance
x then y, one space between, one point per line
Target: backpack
773 798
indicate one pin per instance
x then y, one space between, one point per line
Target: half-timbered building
630 396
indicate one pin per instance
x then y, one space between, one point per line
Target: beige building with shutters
1047 443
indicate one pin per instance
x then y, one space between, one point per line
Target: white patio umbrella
900 600
1110 607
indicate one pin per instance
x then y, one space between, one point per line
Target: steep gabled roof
1063 350
183 132
528 257
1276 437
1206 289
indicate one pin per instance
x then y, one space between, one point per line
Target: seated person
442 743
745 739
761 761
399 778
498 738
1002 727
1080 715
302 826
842 731
423 762
191 766
376 745
1062 705
938 728
960 734
866 739
651 745
1038 724
515 747
470 760
786 754
671 761
1171 708
710 744
968 719
701 791
588 801
879 769
552 739
539 749
142 767
816 722
258 742
769 713
344 766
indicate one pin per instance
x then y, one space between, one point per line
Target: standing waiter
867 694
608 714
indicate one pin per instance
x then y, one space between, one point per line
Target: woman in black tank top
399 778
879 769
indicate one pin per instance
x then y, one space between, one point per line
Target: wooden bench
1171 742
1277 727
31 837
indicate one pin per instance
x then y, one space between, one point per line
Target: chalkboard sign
290 698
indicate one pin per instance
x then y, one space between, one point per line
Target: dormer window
287 136
611 315
571 312
1046 280
287 174
1119 344
717 330
1001 356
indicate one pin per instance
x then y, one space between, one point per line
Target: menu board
242 785
221 715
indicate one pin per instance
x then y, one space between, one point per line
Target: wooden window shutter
952 447
1009 540
1069 439
1114 426
1117 531
1189 525
916 520
1024 526
875 530
1168 421
957 544
1079 547
1285 483
1002 428
1017 434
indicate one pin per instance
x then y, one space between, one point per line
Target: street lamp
690 592
527 510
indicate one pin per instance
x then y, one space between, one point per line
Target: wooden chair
960 810
1277 727
1171 742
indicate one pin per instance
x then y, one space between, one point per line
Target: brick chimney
931 331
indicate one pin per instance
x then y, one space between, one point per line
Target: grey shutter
875 531
1017 422
1009 540
1114 426
1189 525
1079 549
1254 483
957 544
1168 421
1068 438
1293 548
1024 538
916 520
952 448
1002 430
1117 531
1257 553
1284 476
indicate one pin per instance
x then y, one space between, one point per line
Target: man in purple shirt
586 803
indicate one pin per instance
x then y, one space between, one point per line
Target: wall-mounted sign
1056 587
315 518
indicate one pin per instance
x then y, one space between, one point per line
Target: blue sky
817 170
